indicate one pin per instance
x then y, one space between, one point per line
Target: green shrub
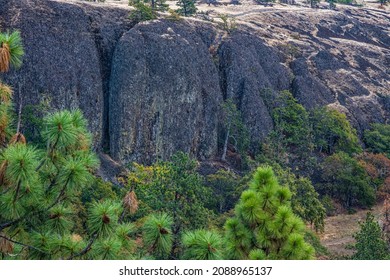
370 244
333 133
346 180
377 139
142 12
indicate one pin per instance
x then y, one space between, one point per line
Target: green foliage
40 197
158 236
305 200
155 5
313 3
328 203
370 244
224 186
314 240
235 132
11 50
142 12
103 217
332 4
291 120
377 138
265 221
346 2
290 143
187 7
202 245
228 24
172 187
346 180
333 133
33 120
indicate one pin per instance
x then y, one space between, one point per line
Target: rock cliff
153 88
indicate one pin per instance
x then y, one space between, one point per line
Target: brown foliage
18 138
6 246
3 169
130 202
5 94
5 58
378 168
386 216
106 219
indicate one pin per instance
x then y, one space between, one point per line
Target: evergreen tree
187 7
264 225
224 185
304 198
369 242
173 187
155 5
291 141
142 12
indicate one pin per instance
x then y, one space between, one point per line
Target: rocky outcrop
155 88
248 67
68 55
164 94
338 58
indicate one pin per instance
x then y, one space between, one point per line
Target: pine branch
22 244
58 199
86 249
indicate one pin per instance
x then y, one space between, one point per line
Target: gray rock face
164 94
68 51
247 68
152 89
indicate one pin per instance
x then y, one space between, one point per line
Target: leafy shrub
377 139
346 180
333 133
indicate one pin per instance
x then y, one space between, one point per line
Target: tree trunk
225 145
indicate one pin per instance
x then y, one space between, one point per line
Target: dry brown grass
339 230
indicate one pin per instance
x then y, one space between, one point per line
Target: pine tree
264 225
40 189
187 7
369 242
